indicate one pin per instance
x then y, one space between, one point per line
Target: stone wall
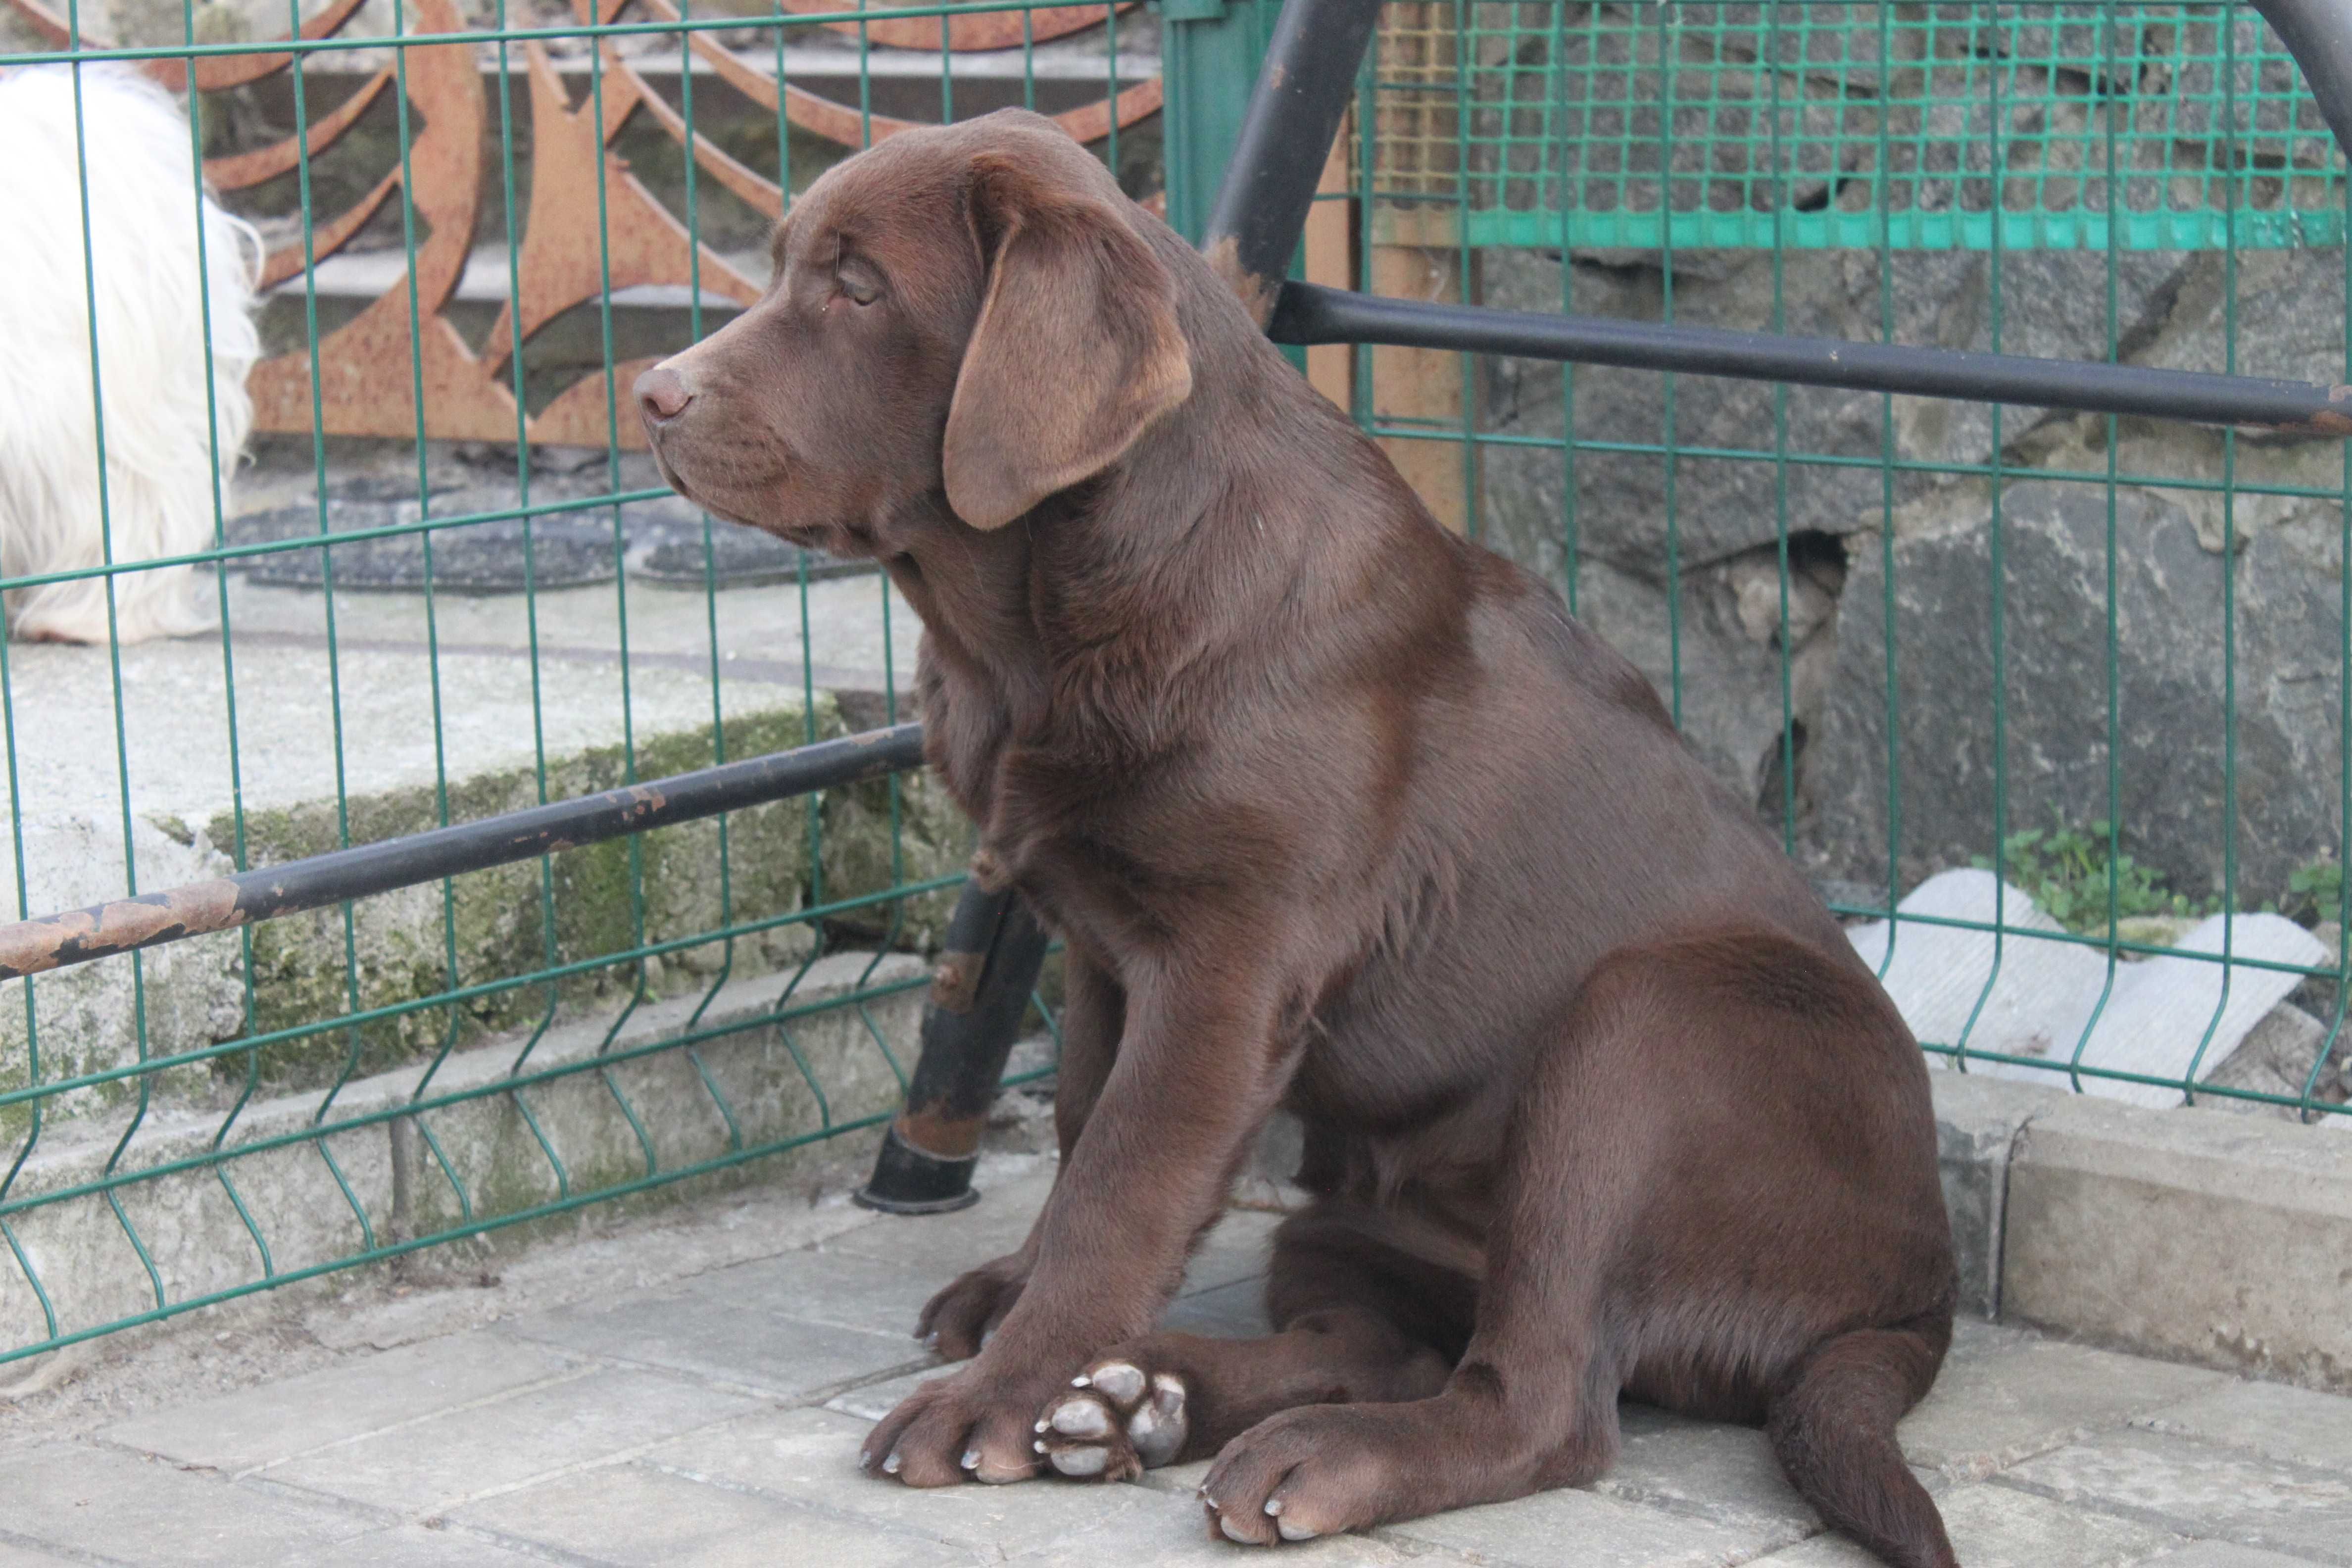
1854 527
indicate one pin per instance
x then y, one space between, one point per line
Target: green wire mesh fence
473 226
2053 705
1807 126
2093 668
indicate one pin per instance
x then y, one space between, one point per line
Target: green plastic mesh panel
1832 125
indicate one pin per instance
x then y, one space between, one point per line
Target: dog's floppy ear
1076 349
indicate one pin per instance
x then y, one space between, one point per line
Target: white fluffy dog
167 445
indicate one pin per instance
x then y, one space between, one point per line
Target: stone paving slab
426 1467
1992 1526
112 1503
2270 1419
261 1425
415 1546
2199 1489
692 1333
809 1458
635 1514
715 1418
1602 1533
2004 1395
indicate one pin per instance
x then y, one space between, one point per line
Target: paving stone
873 1401
1235 1312
26 1557
2200 1489
938 1248
2224 1554
690 1332
415 1546
436 1464
1993 1527
1172 1532
817 1284
809 1458
260 1426
107 1503
1238 1249
637 1514
1715 1471
2277 1422
2002 1396
1584 1528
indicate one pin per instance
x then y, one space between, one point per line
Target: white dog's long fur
165 450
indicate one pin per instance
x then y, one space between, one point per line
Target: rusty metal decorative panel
373 372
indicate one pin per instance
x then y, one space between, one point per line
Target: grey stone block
122 1507
688 1331
438 1464
873 1401
415 1546
2279 1423
809 1458
2189 1233
26 1557
1994 1527
1235 1312
1172 1530
2003 1395
820 1285
2197 1489
1708 1469
2224 1554
939 1246
1238 1248
1607 1532
636 1514
261 1425
1978 1120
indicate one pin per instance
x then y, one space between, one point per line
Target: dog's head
969 310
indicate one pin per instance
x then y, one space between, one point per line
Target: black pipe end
908 1181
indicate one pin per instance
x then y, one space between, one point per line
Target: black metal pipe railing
1303 90
1309 313
224 903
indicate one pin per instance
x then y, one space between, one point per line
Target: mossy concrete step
388 1181
338 740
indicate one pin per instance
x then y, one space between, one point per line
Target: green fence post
1209 55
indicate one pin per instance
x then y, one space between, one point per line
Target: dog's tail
1833 1427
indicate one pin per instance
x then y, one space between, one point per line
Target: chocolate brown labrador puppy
1342 813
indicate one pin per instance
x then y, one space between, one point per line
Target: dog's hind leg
1357 1322
1719 1162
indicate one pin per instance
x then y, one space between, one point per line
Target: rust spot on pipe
2326 423
1257 294
929 1129
29 947
955 979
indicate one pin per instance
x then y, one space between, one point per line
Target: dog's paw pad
1085 1462
1116 1422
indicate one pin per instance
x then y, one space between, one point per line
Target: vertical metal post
1209 55
1302 92
980 992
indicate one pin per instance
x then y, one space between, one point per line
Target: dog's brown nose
663 393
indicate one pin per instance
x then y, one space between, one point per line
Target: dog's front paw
1316 1470
974 1426
1114 1422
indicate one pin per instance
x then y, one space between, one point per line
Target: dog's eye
861 291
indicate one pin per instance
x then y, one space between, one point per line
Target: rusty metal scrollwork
367 378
